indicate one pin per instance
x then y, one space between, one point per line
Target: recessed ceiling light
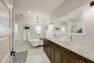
29 11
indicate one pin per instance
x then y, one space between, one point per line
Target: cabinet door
57 56
49 52
52 57
45 46
66 58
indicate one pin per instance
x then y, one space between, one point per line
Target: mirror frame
82 7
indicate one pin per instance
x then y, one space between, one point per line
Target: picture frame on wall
26 27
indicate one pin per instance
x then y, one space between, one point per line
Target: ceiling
42 8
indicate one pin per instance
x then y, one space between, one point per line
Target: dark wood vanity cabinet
45 47
59 54
52 55
67 58
81 59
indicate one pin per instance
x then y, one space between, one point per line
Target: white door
5 31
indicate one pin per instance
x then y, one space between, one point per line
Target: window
63 29
38 29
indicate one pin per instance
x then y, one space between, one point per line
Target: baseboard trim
6 58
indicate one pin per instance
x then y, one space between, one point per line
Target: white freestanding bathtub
35 42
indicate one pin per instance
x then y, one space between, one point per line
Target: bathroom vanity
62 52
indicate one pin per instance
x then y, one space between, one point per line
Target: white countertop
85 50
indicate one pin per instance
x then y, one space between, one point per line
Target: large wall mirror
72 22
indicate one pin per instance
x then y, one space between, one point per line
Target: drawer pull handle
82 61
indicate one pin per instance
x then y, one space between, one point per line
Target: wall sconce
92 4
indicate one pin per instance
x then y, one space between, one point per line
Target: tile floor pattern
20 57
37 55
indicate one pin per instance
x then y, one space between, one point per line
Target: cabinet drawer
48 51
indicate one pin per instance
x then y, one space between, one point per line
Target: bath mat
20 57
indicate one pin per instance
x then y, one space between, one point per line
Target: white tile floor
35 55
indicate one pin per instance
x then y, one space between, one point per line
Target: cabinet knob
82 61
